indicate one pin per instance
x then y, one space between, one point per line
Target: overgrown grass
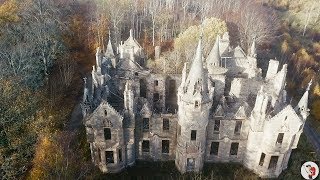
166 170
304 152
315 124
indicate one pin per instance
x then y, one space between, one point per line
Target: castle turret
184 75
129 125
302 107
98 58
128 98
109 51
213 60
194 103
196 84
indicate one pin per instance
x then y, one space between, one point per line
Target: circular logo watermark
309 170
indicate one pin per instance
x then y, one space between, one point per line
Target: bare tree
67 71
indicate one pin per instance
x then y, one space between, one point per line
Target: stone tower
194 102
129 123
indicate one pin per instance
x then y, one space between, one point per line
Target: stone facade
220 109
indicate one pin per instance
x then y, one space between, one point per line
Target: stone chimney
157 52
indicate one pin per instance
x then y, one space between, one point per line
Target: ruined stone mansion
219 109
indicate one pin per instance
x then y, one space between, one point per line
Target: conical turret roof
196 81
109 51
214 56
302 106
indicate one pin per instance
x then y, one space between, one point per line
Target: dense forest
47 47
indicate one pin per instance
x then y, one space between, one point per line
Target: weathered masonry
219 109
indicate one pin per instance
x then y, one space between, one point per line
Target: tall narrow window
234 148
145 124
107 133
165 124
214 148
99 155
156 97
273 162
263 155
105 112
280 138
193 135
237 128
216 126
145 146
156 83
143 88
109 157
120 155
165 146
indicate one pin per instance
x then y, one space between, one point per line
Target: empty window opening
193 135
105 112
214 84
196 104
216 126
234 148
109 157
280 138
190 163
214 149
170 96
143 88
99 155
156 83
145 146
263 155
273 162
107 133
136 74
120 155
156 97
165 146
237 128
145 124
165 124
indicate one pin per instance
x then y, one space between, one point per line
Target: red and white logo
309 170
